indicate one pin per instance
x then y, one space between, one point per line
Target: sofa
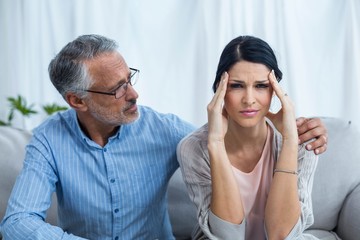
336 191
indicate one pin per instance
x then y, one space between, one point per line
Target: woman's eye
235 85
262 85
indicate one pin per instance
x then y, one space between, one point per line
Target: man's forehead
107 62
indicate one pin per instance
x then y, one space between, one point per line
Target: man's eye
118 87
262 85
235 85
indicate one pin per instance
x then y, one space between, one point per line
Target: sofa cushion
323 235
349 215
181 210
337 172
12 142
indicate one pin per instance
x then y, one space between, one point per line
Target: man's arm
29 200
309 128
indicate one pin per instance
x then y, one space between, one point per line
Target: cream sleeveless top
254 188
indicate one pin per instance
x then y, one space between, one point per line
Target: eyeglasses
121 90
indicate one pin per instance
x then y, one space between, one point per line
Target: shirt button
105 149
116 238
116 210
112 180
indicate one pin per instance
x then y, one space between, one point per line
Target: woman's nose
248 98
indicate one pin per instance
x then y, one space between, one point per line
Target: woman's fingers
283 96
284 119
218 98
217 115
276 86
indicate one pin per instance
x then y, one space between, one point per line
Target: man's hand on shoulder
309 128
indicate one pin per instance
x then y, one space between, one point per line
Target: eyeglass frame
125 85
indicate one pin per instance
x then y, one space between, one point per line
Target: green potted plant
19 104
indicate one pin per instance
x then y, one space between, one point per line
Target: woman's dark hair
247 48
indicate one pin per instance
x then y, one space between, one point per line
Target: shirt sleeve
194 163
307 162
30 199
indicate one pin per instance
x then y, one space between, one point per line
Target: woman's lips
249 112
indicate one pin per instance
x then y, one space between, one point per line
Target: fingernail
317 151
308 147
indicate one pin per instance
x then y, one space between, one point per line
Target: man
108 159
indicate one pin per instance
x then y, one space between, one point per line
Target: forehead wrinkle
248 71
105 67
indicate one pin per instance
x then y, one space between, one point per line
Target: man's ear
75 102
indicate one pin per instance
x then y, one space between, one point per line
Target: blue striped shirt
113 192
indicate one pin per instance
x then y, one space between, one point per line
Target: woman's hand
217 115
284 120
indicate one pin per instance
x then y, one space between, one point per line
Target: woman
244 170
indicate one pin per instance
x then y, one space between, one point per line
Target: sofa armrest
349 219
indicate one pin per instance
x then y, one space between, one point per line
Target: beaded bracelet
285 171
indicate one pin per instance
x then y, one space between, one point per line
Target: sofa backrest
12 152
337 174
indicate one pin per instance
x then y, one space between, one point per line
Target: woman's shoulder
192 150
195 141
199 134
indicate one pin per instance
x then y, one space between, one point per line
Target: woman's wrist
291 141
214 144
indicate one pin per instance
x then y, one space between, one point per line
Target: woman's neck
245 145
239 136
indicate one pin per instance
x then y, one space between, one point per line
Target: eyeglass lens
122 89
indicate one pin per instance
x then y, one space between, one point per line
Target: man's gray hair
67 70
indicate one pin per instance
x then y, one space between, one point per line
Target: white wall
176 45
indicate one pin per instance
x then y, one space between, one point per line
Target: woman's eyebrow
241 81
262 81
238 81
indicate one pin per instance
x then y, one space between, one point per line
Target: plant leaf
20 105
52 108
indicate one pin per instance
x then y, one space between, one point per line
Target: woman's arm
194 162
282 209
208 175
225 199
